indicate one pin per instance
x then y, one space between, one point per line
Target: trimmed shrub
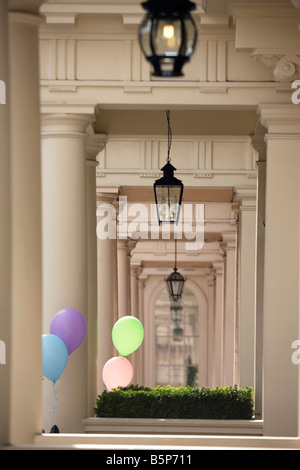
176 403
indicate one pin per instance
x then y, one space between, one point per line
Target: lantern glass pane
177 287
168 201
167 37
145 35
190 37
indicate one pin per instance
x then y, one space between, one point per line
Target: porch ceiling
183 122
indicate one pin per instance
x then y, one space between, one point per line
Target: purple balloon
70 326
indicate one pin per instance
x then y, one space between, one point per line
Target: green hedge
176 403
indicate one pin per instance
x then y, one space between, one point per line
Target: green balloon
127 335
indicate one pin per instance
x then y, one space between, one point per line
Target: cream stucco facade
82 126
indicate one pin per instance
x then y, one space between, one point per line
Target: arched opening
176 340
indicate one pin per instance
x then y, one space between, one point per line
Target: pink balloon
117 372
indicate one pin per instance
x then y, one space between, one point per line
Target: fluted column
247 285
26 278
65 279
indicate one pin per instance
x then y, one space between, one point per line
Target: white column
230 239
107 287
26 278
134 288
282 274
259 145
134 292
247 285
95 145
144 363
124 300
5 234
211 331
219 322
65 254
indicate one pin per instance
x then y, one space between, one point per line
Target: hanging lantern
168 189
168 195
168 35
175 281
176 312
177 334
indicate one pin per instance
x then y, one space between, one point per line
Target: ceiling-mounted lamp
175 281
176 312
168 35
176 317
168 190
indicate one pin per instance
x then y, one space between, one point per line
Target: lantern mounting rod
175 267
170 137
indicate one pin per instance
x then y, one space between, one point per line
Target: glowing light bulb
168 31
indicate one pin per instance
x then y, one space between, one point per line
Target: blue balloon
54 357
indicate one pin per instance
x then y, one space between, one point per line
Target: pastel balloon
54 357
69 325
117 372
127 335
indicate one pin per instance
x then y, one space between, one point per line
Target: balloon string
53 409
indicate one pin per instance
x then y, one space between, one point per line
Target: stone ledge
173 426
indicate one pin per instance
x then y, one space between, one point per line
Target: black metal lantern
168 189
176 317
177 333
175 281
168 35
176 312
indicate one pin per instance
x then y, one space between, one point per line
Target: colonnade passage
49 194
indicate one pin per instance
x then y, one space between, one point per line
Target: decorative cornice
25 6
247 196
280 119
285 64
269 31
66 13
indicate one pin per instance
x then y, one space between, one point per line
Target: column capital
229 240
211 279
108 195
247 195
280 119
25 6
95 144
259 142
218 267
65 125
